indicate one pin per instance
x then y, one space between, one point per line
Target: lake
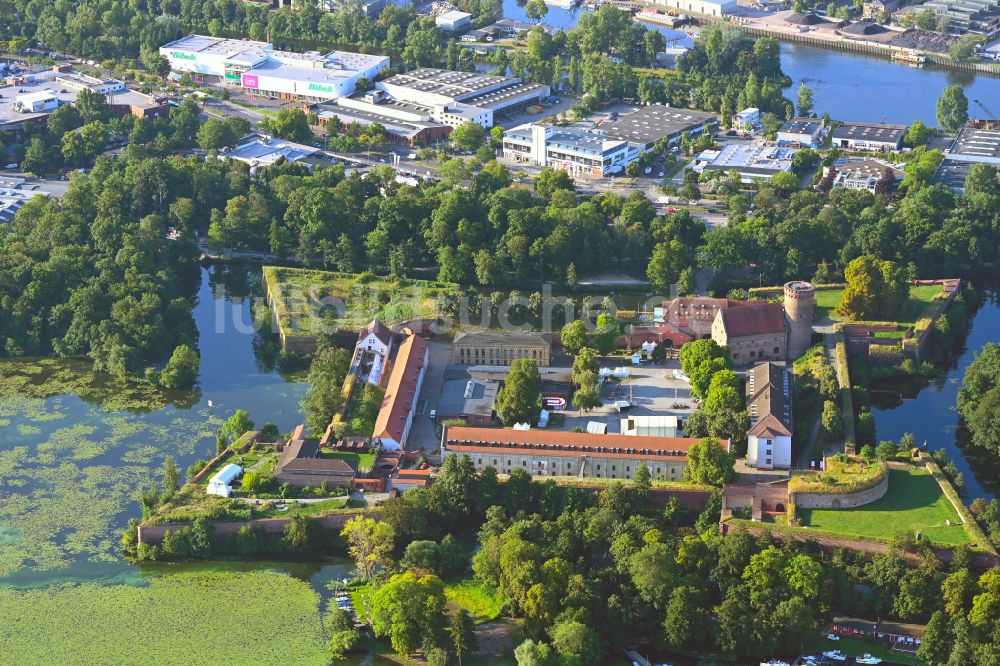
71 463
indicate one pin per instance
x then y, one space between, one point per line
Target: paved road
423 433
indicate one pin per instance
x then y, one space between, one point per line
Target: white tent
624 371
604 373
597 428
522 426
221 483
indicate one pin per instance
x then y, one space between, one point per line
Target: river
71 463
930 412
848 86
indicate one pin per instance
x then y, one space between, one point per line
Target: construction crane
989 113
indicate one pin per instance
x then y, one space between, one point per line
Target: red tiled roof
379 329
769 426
481 440
401 391
754 319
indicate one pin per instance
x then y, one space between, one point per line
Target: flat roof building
750 161
262 151
470 399
457 97
265 72
578 152
801 132
453 20
977 142
869 136
706 7
657 122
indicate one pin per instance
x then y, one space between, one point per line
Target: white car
832 637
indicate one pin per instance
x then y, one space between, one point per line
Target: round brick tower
800 304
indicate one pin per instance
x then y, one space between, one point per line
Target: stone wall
153 534
841 500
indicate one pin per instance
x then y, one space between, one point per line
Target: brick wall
841 500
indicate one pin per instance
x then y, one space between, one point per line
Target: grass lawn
311 509
361 462
301 296
855 648
469 594
914 501
920 297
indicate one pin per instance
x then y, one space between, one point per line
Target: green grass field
855 648
914 501
469 594
361 462
920 296
206 618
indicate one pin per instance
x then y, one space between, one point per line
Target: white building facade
577 152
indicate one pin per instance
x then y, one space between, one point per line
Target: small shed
221 483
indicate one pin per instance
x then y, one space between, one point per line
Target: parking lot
651 390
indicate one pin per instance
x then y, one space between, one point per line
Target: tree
422 555
215 134
530 653
409 609
575 641
830 420
344 637
81 146
686 620
171 478
236 425
463 635
291 124
805 100
536 9
468 136
92 106
917 135
182 368
709 463
550 180
370 543
952 108
519 399
573 336
324 398
38 157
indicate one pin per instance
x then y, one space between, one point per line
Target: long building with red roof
580 454
392 426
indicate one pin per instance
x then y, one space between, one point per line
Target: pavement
423 432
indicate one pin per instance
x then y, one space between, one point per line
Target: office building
869 137
492 348
578 152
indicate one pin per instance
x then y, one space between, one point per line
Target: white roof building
453 20
221 483
660 425
262 151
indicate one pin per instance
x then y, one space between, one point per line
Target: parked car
433 414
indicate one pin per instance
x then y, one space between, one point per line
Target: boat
909 56
867 659
835 655
774 662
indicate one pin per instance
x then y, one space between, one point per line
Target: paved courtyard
422 433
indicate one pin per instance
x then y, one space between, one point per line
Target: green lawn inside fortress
76 468
260 618
300 297
914 501
920 297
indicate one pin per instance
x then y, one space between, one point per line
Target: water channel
848 86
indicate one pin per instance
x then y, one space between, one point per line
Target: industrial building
469 399
706 7
653 123
807 132
769 404
265 72
576 151
750 161
869 137
978 141
978 17
456 97
453 20
579 454
262 151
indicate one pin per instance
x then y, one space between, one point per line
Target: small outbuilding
221 483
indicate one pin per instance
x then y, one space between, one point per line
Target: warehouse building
457 97
263 71
869 137
749 160
656 122
801 132
706 7
979 141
